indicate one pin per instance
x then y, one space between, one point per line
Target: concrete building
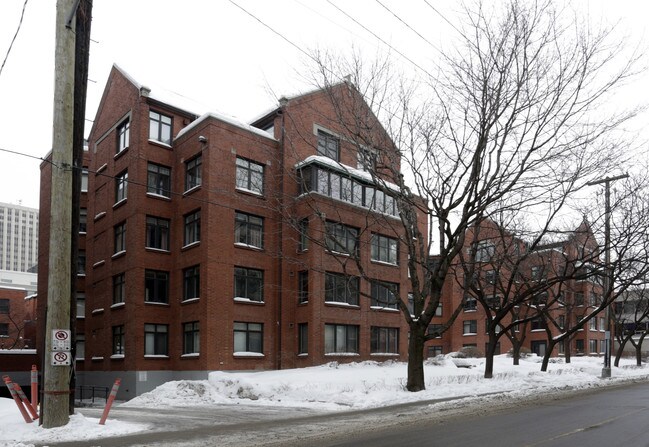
209 244
18 238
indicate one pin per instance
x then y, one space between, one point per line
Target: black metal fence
85 393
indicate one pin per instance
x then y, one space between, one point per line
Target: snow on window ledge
241 299
251 247
118 254
117 305
248 354
384 354
117 356
97 311
97 359
156 356
190 355
190 300
99 215
342 354
338 303
190 245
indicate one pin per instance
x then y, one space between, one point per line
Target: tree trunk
620 349
516 353
489 357
416 359
638 351
547 355
566 349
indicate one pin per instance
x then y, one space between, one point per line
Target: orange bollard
34 388
23 397
14 394
109 402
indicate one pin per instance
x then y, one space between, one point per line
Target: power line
380 39
407 25
14 38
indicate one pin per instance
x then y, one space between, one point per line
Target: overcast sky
213 52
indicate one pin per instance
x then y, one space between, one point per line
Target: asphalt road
613 416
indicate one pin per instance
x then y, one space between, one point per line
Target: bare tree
513 119
631 318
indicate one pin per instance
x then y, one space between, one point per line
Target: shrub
524 352
470 352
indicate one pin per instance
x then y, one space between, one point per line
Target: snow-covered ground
330 387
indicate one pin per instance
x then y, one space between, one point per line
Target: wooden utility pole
56 386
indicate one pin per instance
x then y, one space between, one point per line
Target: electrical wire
22 15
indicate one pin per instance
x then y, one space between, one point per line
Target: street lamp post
608 340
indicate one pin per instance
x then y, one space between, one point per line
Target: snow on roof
358 173
181 102
226 119
166 96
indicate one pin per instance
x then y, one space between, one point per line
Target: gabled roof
188 105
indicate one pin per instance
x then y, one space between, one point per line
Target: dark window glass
249 284
156 286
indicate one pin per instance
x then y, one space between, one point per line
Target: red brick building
210 244
17 318
504 269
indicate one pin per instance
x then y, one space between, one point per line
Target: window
157 233
561 321
592 346
303 228
159 127
81 262
341 339
4 330
119 288
191 338
340 238
83 220
193 172
192 227
470 304
435 330
81 305
439 310
592 324
248 284
248 230
123 136
470 327
250 176
538 323
156 339
411 304
84 180
341 288
248 337
491 277
4 306
538 273
484 251
366 159
602 323
118 340
156 286
384 340
384 249
579 346
121 186
191 283
303 338
303 286
120 237
328 145
384 294
80 346
158 180
579 298
434 351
